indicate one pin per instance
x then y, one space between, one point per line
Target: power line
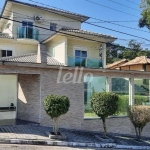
132 2
102 21
42 23
124 5
117 31
115 21
55 31
69 34
100 26
119 25
111 8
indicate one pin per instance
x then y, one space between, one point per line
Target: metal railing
28 32
84 62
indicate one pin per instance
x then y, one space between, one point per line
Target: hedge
123 104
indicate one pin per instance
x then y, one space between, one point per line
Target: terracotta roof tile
137 61
116 64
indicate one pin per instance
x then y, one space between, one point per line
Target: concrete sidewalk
36 135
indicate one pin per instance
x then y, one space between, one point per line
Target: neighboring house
116 64
141 63
34 61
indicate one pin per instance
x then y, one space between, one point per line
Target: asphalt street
34 147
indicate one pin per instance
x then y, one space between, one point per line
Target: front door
28 29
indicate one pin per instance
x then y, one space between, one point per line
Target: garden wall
121 125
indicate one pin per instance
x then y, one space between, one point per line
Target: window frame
6 53
52 25
80 49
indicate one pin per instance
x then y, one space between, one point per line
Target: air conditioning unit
37 18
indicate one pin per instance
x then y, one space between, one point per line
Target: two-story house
40 49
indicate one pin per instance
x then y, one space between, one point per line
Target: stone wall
30 99
28 105
73 119
121 125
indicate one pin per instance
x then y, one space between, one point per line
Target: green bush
104 104
123 103
139 116
140 100
55 106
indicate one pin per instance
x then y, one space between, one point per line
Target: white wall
18 49
9 30
7 115
47 16
8 90
57 48
92 48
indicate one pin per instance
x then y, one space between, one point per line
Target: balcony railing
28 32
84 62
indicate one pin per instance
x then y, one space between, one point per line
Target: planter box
60 136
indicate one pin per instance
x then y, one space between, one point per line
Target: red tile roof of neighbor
137 61
116 64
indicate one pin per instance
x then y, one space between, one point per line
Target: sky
95 10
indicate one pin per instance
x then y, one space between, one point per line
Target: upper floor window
27 29
80 58
6 53
53 26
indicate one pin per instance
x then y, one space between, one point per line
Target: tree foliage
117 52
139 116
55 106
145 19
104 104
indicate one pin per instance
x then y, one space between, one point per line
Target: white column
66 52
108 84
104 55
131 91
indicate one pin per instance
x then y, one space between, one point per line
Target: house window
27 29
53 26
80 58
6 53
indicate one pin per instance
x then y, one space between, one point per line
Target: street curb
70 144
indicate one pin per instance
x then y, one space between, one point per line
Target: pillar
131 91
104 55
108 84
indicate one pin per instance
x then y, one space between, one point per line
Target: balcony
28 32
84 62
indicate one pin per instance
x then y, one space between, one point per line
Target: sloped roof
88 33
116 64
30 58
51 9
137 61
5 35
26 58
53 62
85 32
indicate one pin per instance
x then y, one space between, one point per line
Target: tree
139 116
134 49
116 52
145 19
104 104
55 106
